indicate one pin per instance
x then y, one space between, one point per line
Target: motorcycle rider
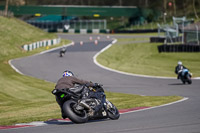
69 81
179 69
62 51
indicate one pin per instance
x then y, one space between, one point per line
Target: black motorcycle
62 52
80 112
185 76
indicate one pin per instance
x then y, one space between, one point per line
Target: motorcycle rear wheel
72 114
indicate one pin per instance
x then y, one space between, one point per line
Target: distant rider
179 69
62 51
70 81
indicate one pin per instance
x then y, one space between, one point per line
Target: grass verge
144 58
25 99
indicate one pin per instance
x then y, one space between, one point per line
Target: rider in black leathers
62 51
69 81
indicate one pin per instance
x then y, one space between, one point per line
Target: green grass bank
144 58
25 99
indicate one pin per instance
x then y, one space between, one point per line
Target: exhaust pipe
85 105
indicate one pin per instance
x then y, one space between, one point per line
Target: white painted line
35 123
196 78
114 41
121 72
184 99
10 63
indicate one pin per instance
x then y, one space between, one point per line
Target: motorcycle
185 76
62 52
80 112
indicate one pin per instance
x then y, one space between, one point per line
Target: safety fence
44 43
179 48
71 26
192 34
182 36
182 28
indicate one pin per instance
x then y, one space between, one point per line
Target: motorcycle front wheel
73 114
189 80
112 111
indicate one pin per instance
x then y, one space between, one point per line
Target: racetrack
183 117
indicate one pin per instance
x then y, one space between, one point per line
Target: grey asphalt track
183 117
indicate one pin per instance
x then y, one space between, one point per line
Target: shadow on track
177 84
68 122
58 122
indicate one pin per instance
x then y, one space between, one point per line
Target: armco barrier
178 48
135 31
159 39
85 31
44 43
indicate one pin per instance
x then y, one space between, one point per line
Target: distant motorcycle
80 112
185 76
62 52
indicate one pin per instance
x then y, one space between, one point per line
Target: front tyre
189 80
74 115
183 81
112 111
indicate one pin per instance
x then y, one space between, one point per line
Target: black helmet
67 73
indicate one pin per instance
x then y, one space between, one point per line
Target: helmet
67 73
179 63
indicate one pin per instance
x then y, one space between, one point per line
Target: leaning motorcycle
62 52
185 76
80 112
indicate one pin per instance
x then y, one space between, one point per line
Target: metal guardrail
75 26
44 43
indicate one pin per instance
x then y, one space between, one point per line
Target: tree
195 11
6 8
174 5
120 2
17 2
146 3
164 10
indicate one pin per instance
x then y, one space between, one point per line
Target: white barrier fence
44 43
